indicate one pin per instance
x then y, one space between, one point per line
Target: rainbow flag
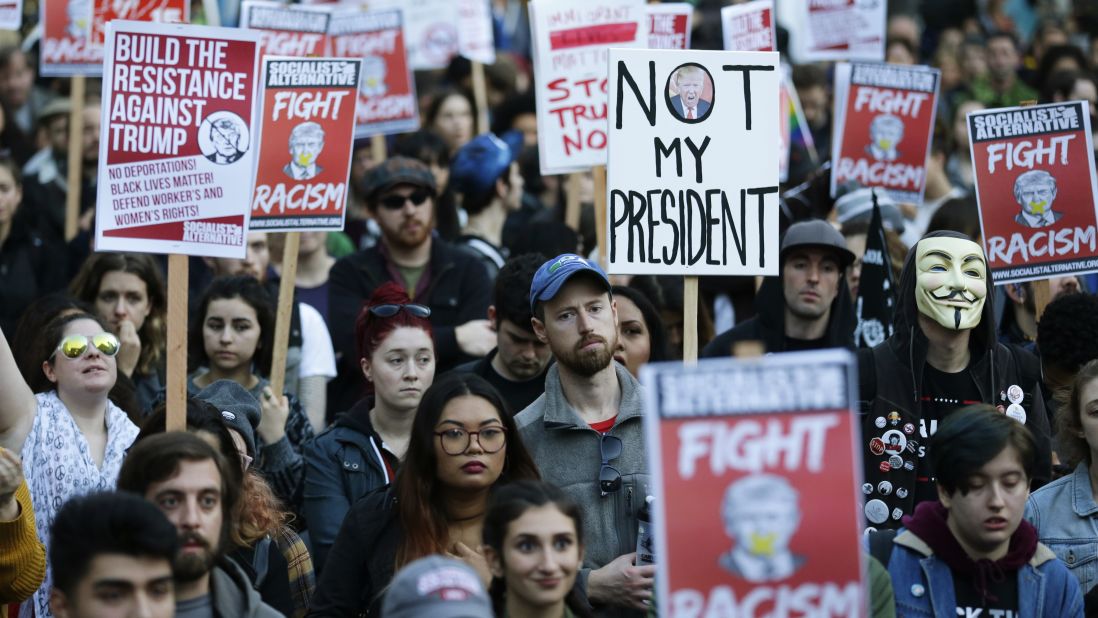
794 128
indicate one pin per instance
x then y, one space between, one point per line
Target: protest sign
669 25
386 92
176 146
308 112
475 39
840 30
67 48
437 30
749 26
11 14
287 30
746 456
571 41
161 11
1035 185
692 172
884 120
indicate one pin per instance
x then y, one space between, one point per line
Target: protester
112 556
575 315
517 365
971 549
313 266
22 556
70 436
438 501
363 449
1002 87
1067 338
1018 324
1064 511
808 306
451 115
191 484
641 338
486 178
943 355
453 283
128 293
29 264
232 339
533 542
439 587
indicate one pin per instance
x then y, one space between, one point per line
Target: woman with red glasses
463 445
71 437
363 448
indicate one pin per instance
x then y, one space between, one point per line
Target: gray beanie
238 408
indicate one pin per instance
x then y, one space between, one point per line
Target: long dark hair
418 492
507 504
1073 447
657 335
252 292
45 345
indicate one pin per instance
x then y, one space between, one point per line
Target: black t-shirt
942 393
1003 590
796 345
517 395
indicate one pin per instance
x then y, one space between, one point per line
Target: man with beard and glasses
943 355
400 195
590 419
196 489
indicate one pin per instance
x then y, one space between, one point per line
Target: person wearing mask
808 306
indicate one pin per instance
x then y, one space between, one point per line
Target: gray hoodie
233 595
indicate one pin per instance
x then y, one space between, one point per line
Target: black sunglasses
609 477
388 311
396 201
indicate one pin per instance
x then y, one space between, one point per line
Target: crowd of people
461 428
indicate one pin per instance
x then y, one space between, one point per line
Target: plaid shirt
302 577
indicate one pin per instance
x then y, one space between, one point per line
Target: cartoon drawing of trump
374 71
306 142
225 136
761 513
885 131
1035 191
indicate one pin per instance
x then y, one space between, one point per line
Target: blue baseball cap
552 275
482 160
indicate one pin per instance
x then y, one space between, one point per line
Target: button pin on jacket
1070 557
917 590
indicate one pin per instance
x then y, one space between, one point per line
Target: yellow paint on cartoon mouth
762 544
885 144
1038 207
304 159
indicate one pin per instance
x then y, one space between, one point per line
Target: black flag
876 293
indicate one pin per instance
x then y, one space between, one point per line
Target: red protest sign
287 30
67 48
176 147
162 11
305 157
1036 190
669 25
386 94
884 122
748 455
749 26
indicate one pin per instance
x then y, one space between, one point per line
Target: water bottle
646 545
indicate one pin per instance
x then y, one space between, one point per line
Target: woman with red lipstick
363 448
72 439
533 541
463 446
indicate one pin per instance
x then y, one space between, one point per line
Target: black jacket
891 380
459 291
768 325
31 266
360 563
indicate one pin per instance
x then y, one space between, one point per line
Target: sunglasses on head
388 311
75 346
396 201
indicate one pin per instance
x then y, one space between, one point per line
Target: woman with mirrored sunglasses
463 445
363 448
70 436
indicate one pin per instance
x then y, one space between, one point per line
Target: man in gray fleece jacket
585 431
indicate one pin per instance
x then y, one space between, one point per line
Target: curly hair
1067 334
1072 445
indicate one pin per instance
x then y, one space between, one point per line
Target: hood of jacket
232 594
358 417
770 313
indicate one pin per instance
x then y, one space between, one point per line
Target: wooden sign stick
690 320
599 173
1041 296
285 311
75 158
177 343
378 149
572 206
480 96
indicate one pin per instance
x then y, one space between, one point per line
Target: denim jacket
923 584
1066 518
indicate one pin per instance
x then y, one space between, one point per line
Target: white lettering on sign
810 599
750 445
888 101
1066 241
1028 154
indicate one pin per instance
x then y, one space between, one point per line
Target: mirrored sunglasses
75 346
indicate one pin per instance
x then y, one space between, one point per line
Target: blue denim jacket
1066 518
923 584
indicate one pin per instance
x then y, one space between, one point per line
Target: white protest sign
11 14
437 30
177 144
749 26
841 30
692 172
669 25
571 41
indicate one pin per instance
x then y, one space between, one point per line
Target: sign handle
285 311
480 96
690 320
379 151
177 343
572 206
599 172
1041 296
75 158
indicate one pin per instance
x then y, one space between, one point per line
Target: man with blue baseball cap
486 178
588 420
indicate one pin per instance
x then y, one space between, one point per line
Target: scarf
929 523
